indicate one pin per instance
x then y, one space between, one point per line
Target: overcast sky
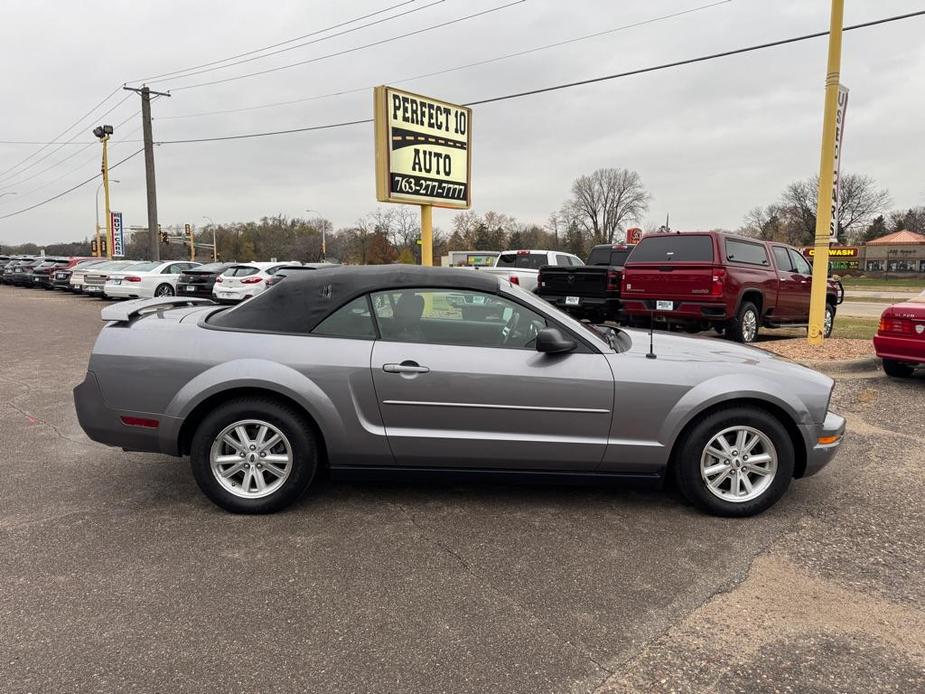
710 140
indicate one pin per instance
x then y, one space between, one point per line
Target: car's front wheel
736 461
253 456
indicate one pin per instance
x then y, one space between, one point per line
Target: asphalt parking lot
118 575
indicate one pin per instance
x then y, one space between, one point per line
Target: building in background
902 251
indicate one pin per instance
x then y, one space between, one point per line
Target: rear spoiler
127 310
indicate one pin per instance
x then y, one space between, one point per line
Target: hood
705 355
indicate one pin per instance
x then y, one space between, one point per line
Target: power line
63 132
71 189
302 45
507 56
276 45
35 142
16 182
10 178
351 50
567 85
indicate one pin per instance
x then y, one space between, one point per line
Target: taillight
252 280
219 279
613 279
514 279
132 278
897 326
719 282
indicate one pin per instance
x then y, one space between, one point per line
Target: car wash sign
423 150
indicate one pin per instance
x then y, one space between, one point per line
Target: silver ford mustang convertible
388 369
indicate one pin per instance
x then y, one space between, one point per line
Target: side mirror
551 341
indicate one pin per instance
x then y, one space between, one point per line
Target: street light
98 188
324 245
103 132
214 247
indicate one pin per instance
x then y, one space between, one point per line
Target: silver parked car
377 369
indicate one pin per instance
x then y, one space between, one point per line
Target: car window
782 257
144 267
563 260
523 259
350 320
667 248
455 317
745 252
800 263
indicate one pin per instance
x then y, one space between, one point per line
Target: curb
844 366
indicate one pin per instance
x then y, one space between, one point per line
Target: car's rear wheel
164 290
745 327
828 321
735 462
897 369
253 456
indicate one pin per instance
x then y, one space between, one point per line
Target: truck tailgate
664 281
578 281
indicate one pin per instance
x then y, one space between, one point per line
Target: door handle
406 367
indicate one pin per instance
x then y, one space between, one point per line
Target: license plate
116 281
572 300
664 305
191 288
35 279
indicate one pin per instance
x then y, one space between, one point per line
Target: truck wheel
897 369
828 322
745 327
735 462
253 455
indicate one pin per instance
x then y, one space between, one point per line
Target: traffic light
188 229
93 248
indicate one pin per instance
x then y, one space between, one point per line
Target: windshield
145 267
240 271
532 261
578 327
211 267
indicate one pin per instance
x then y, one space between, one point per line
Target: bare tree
859 202
605 201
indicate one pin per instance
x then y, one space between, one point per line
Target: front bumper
818 455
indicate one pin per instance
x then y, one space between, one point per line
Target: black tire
739 330
897 369
690 448
164 290
290 422
828 320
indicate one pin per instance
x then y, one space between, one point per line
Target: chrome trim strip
487 406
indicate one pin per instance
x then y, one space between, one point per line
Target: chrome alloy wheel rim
738 464
749 326
251 458
827 327
164 290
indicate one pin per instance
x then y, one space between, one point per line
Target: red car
900 339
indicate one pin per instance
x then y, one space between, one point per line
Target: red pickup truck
698 280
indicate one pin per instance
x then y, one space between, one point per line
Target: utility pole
826 202
146 93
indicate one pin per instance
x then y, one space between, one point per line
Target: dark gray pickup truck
591 291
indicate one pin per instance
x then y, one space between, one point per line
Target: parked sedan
198 282
900 339
366 370
146 280
245 281
94 280
21 273
61 279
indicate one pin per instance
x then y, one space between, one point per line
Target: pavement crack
483 580
39 420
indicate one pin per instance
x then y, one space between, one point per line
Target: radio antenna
651 354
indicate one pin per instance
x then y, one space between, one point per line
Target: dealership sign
423 150
118 238
835 252
840 110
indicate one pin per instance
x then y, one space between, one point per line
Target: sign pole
427 235
106 197
826 198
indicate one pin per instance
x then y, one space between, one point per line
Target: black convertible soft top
306 298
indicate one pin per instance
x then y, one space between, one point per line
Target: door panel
803 286
486 407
